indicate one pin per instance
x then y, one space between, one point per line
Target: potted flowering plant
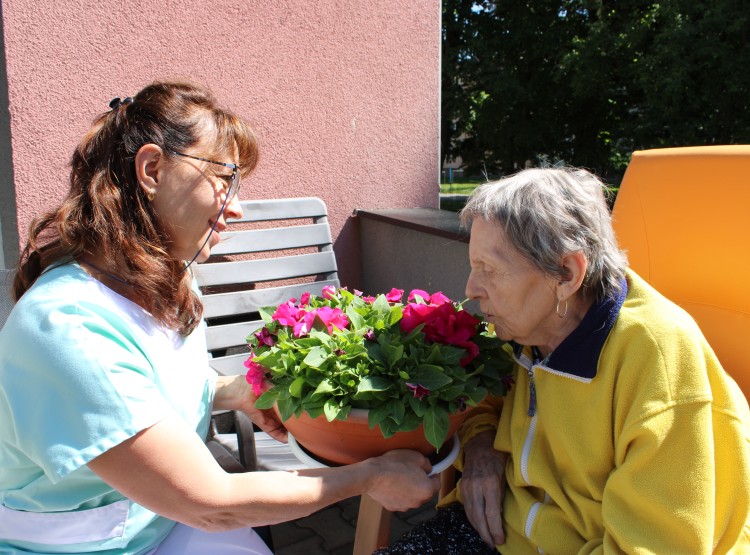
408 364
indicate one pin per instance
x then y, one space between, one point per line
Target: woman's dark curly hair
106 211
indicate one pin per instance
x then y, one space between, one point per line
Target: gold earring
150 196
557 309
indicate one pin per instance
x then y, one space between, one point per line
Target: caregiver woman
105 392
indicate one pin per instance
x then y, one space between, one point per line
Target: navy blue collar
578 354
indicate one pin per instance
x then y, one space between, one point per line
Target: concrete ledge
414 248
441 223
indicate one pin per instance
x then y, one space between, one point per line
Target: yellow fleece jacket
636 441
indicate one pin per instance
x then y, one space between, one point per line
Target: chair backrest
681 214
6 297
279 249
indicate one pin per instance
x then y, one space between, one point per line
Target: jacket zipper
532 392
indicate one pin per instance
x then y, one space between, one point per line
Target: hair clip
116 102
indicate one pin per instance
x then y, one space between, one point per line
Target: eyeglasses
233 187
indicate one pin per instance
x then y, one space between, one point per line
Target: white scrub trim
184 540
101 523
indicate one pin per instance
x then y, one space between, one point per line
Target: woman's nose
471 288
234 209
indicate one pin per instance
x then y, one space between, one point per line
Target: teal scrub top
81 370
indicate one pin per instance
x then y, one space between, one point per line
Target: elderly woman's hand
483 487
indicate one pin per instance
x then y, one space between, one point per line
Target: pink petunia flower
304 300
287 314
394 295
418 390
443 324
439 298
255 376
264 337
329 292
414 292
330 317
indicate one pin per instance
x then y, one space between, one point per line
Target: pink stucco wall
344 94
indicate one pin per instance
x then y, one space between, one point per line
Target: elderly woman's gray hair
547 213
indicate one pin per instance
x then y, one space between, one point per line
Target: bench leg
373 527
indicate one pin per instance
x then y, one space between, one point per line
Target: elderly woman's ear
574 266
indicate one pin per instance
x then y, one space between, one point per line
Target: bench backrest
279 249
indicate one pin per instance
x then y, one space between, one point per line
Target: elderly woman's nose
471 290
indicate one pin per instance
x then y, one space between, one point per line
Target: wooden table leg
373 526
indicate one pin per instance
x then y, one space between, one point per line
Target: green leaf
436 425
377 414
430 376
381 305
316 357
396 411
324 386
266 313
267 399
373 383
331 409
393 352
355 318
286 408
395 315
296 388
417 406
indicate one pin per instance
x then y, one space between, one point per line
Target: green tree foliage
588 82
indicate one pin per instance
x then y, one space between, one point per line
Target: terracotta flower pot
351 440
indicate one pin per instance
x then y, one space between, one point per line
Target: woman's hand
234 393
401 481
483 487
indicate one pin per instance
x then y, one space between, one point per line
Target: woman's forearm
167 469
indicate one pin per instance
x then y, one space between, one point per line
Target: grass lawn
465 188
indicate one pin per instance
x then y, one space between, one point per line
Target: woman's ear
148 164
574 266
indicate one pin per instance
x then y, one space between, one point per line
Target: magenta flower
438 298
443 324
304 300
434 299
264 337
255 376
414 292
287 314
329 292
394 295
368 299
418 390
330 318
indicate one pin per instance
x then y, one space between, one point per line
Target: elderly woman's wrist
483 442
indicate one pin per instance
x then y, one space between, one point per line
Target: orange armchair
682 216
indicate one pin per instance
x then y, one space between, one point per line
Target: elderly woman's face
513 294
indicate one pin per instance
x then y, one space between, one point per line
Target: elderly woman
105 390
622 433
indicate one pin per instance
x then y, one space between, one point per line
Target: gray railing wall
416 248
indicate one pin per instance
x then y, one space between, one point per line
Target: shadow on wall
9 250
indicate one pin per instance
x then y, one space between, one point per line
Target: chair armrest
245 431
225 459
